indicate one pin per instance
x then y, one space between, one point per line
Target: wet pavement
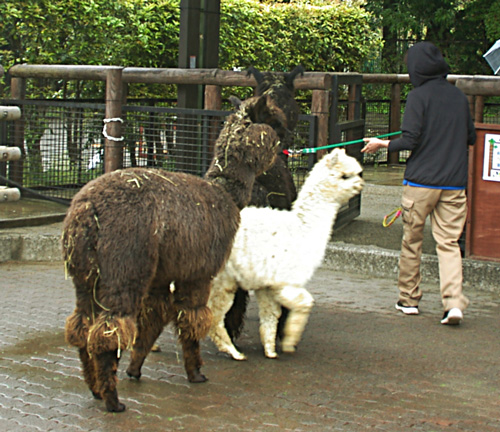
360 366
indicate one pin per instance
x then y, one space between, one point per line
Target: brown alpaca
275 188
142 246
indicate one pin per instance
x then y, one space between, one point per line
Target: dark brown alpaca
275 188
142 246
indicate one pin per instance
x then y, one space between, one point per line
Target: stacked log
9 113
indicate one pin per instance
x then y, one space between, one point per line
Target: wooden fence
324 86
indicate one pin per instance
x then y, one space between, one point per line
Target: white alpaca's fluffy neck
315 207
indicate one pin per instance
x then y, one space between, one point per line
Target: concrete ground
361 365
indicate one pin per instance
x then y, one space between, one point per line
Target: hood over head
425 62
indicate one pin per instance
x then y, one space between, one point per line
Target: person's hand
374 144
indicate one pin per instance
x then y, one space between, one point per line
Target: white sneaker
407 310
452 317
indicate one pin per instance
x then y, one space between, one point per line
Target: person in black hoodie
437 127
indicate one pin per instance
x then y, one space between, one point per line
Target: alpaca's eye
345 177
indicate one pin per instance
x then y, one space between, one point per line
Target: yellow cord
395 214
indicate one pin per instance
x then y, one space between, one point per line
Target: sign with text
491 165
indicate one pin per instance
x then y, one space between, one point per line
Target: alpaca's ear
299 70
235 101
256 73
333 158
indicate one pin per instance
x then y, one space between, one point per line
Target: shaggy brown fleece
143 245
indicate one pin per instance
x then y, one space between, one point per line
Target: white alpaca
276 252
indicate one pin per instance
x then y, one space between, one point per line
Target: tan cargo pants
448 212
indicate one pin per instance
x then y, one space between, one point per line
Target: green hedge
278 37
143 33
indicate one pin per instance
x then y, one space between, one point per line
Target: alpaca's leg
269 313
281 322
107 338
152 319
192 320
89 372
220 302
300 302
106 364
235 317
76 334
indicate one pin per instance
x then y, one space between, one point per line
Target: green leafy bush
332 37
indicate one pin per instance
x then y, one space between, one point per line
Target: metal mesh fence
63 144
60 144
491 113
377 115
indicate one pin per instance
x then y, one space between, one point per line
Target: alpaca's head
269 82
280 88
247 143
338 175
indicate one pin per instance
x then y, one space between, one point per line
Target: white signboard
491 165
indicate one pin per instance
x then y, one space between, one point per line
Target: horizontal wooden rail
68 72
219 77
479 86
309 81
405 78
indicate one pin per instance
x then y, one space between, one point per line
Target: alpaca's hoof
155 348
197 377
238 356
288 348
271 355
112 402
115 407
96 395
133 374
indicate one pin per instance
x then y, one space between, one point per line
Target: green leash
314 150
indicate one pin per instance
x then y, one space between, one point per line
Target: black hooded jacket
437 125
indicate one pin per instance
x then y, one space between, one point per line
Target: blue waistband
409 183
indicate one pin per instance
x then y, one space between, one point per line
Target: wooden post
472 104
320 108
213 97
213 101
479 109
395 119
353 114
112 130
